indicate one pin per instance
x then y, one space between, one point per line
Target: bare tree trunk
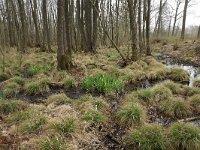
79 7
10 24
46 32
95 24
88 24
24 27
184 19
175 17
117 22
169 27
63 53
35 20
140 26
148 27
133 28
198 35
144 21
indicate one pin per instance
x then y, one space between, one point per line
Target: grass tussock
174 87
58 99
195 102
37 87
184 136
179 75
131 115
103 83
10 90
66 126
190 91
4 76
94 116
145 96
19 80
89 102
33 124
11 106
38 68
197 83
161 93
55 142
176 108
147 138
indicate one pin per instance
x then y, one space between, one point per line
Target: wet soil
112 134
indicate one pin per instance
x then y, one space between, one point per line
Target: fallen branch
189 119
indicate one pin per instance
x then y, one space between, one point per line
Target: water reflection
172 63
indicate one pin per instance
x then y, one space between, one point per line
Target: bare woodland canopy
85 25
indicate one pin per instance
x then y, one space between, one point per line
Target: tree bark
184 19
63 53
133 28
24 28
148 27
35 20
46 32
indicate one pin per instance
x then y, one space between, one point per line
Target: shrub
37 87
184 136
131 115
66 127
195 102
103 83
59 99
145 96
175 88
161 93
94 116
147 138
176 108
55 142
11 106
179 75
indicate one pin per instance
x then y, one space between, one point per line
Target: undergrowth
103 83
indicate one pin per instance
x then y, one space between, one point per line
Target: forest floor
98 105
187 51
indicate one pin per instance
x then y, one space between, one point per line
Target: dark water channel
193 71
173 63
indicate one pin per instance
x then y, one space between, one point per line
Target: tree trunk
198 35
35 20
63 53
140 26
95 24
24 28
46 32
148 27
133 28
184 19
175 17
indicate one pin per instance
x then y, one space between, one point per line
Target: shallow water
172 63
